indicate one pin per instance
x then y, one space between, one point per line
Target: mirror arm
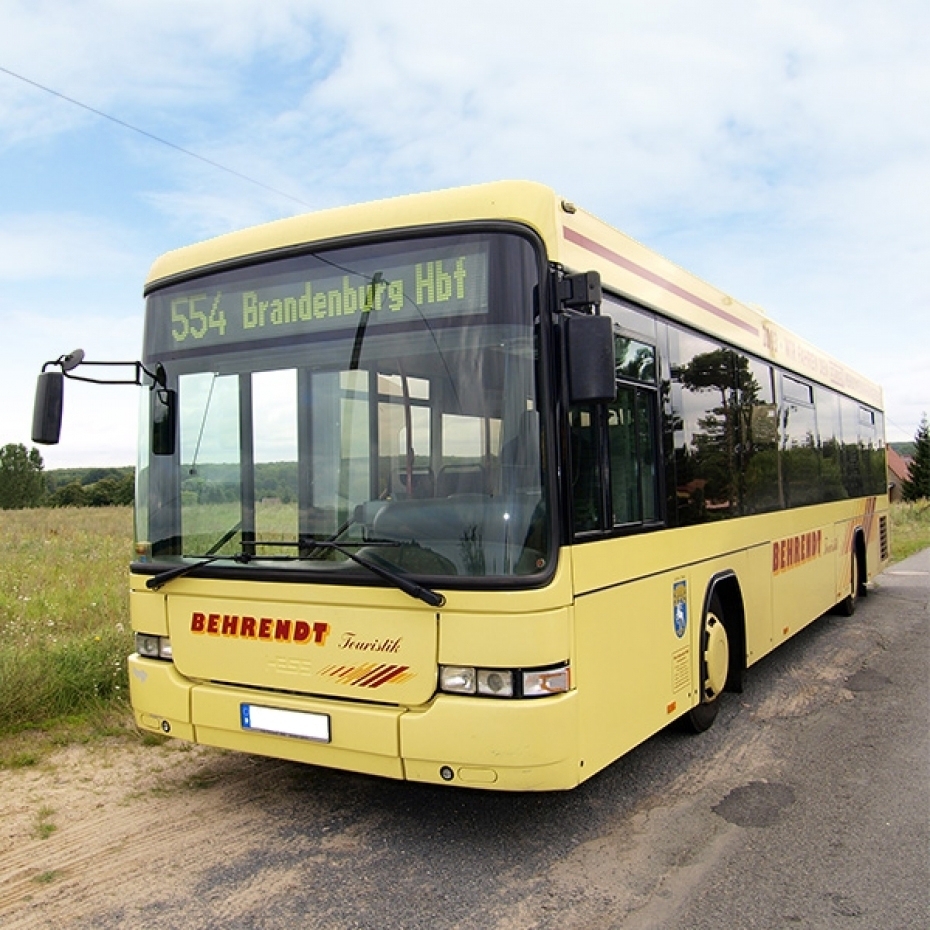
69 362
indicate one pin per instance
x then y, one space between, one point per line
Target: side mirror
164 421
46 414
590 359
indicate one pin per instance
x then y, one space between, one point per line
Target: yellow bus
470 488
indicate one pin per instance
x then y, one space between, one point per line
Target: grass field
64 620
64 614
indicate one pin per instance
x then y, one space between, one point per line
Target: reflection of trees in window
800 452
831 446
635 360
831 475
872 452
862 457
729 466
855 468
800 457
851 463
716 438
759 466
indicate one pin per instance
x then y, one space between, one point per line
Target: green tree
22 482
110 491
917 483
69 495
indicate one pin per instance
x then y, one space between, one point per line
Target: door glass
648 453
631 437
585 473
625 493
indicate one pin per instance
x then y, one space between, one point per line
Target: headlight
457 679
153 647
505 682
495 682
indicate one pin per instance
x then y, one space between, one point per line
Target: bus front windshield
379 400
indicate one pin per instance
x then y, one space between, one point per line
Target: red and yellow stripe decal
369 675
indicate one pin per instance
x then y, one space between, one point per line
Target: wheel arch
725 585
859 554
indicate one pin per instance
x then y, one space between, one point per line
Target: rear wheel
847 606
714 666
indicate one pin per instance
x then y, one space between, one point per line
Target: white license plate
285 722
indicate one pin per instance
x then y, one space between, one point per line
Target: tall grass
64 612
910 528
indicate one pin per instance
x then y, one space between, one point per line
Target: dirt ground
72 827
114 833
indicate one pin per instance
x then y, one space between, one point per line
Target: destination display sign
302 296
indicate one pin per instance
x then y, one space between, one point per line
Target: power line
154 138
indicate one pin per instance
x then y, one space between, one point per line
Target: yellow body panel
505 641
517 745
392 737
147 608
161 698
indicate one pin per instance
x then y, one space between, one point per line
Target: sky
779 150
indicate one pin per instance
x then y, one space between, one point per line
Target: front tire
714 667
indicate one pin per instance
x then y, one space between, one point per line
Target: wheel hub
716 656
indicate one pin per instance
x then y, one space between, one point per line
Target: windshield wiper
162 578
407 585
243 558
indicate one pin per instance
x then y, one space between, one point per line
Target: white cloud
779 150
43 246
165 63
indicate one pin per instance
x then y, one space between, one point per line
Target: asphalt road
807 804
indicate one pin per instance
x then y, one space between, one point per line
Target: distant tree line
97 487
218 483
25 483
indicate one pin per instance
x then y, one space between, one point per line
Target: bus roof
574 238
